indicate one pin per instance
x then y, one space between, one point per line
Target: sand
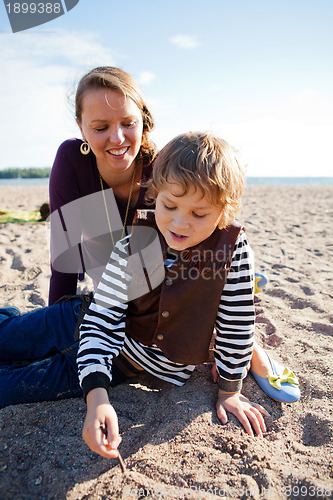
172 442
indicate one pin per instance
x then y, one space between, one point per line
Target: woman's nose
116 135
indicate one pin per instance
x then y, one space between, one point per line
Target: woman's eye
130 124
199 216
100 129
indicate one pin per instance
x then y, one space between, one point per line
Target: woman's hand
214 373
100 429
249 414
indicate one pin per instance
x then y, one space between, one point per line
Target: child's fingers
221 414
257 421
97 442
261 409
105 449
112 431
106 452
252 420
245 421
260 420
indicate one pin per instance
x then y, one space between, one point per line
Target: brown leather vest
179 314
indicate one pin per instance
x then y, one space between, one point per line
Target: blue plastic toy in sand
260 282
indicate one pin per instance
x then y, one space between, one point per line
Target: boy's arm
102 334
235 319
234 340
102 331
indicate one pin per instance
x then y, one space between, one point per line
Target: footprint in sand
292 280
33 273
269 328
35 299
322 328
17 261
295 302
272 339
316 431
307 290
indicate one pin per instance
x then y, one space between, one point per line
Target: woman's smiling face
112 125
185 220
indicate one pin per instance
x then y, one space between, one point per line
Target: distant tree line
13 173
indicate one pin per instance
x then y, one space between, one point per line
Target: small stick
120 460
121 463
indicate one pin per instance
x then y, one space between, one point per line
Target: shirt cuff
93 381
230 385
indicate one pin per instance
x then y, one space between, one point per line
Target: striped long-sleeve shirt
103 334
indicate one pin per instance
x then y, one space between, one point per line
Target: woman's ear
80 127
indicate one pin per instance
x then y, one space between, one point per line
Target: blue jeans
38 354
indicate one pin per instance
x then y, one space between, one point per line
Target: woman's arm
63 189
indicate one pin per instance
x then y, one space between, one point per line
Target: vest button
165 314
168 281
159 336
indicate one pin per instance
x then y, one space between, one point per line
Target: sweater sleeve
235 319
63 189
102 331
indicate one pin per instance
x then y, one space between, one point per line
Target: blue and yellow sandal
281 385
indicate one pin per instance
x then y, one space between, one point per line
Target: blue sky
258 73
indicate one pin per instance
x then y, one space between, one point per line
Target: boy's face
186 220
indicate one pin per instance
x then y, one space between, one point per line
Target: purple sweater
74 176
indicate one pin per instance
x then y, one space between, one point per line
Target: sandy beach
172 442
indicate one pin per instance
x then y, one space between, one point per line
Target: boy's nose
180 222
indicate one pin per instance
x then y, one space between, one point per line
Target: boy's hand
249 414
100 429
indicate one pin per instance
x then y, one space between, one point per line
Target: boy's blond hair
206 162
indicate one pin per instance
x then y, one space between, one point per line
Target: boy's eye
100 129
167 207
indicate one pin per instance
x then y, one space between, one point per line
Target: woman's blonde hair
206 162
108 77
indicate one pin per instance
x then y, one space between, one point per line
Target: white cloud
146 77
291 137
274 147
39 68
185 41
42 47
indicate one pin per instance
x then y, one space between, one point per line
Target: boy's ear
219 221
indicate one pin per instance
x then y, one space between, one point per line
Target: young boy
185 269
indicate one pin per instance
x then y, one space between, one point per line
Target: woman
38 349
116 153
